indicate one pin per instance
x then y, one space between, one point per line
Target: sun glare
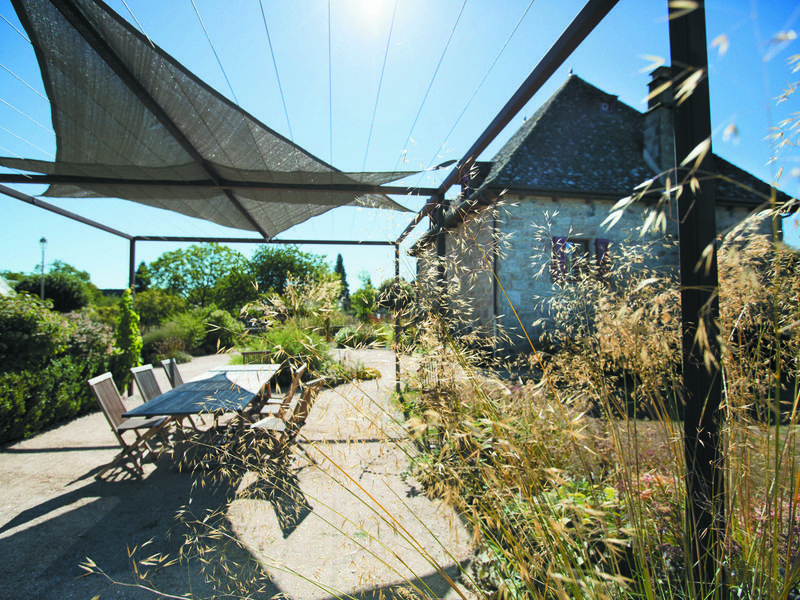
372 12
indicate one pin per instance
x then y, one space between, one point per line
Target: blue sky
349 110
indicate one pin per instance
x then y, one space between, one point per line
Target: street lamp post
43 244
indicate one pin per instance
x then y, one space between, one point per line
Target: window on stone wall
575 258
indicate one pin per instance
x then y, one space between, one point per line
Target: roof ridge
512 146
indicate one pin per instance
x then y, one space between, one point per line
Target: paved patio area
357 525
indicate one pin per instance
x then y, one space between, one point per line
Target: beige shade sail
133 123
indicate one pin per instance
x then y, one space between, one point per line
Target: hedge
48 387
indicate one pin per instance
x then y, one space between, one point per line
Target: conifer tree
344 296
127 339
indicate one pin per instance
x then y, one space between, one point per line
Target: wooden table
223 389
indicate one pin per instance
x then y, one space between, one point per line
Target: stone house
548 194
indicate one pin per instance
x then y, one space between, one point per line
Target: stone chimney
659 141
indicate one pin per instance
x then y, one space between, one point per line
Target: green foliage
344 296
364 335
43 379
274 267
396 297
193 273
222 332
142 278
194 332
235 289
364 301
311 300
127 339
156 307
165 342
290 344
337 373
29 333
67 291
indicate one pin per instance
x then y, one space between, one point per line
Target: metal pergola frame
688 50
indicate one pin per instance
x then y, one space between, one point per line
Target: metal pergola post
132 265
397 329
705 484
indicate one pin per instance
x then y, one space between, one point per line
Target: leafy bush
156 306
67 291
128 340
364 301
364 335
291 346
199 331
222 331
45 382
355 337
164 342
29 333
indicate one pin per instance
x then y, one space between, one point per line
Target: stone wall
525 226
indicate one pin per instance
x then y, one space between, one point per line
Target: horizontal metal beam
227 240
592 13
60 211
219 184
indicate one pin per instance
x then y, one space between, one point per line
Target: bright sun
373 12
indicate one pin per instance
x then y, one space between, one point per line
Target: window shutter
602 258
559 265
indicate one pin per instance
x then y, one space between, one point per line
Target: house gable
581 140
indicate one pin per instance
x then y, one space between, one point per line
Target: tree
273 266
156 306
364 300
192 273
59 266
344 296
395 298
235 289
66 290
142 278
127 339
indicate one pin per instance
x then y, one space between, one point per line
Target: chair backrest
298 375
254 357
145 379
105 390
173 374
303 407
287 398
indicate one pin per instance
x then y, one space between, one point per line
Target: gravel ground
360 525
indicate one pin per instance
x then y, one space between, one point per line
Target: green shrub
156 307
290 345
67 291
355 337
162 343
199 331
50 388
128 340
364 335
29 333
222 331
191 328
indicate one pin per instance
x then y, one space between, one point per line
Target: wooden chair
283 431
279 406
173 374
145 379
110 402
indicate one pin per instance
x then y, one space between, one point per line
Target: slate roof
585 141
581 139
